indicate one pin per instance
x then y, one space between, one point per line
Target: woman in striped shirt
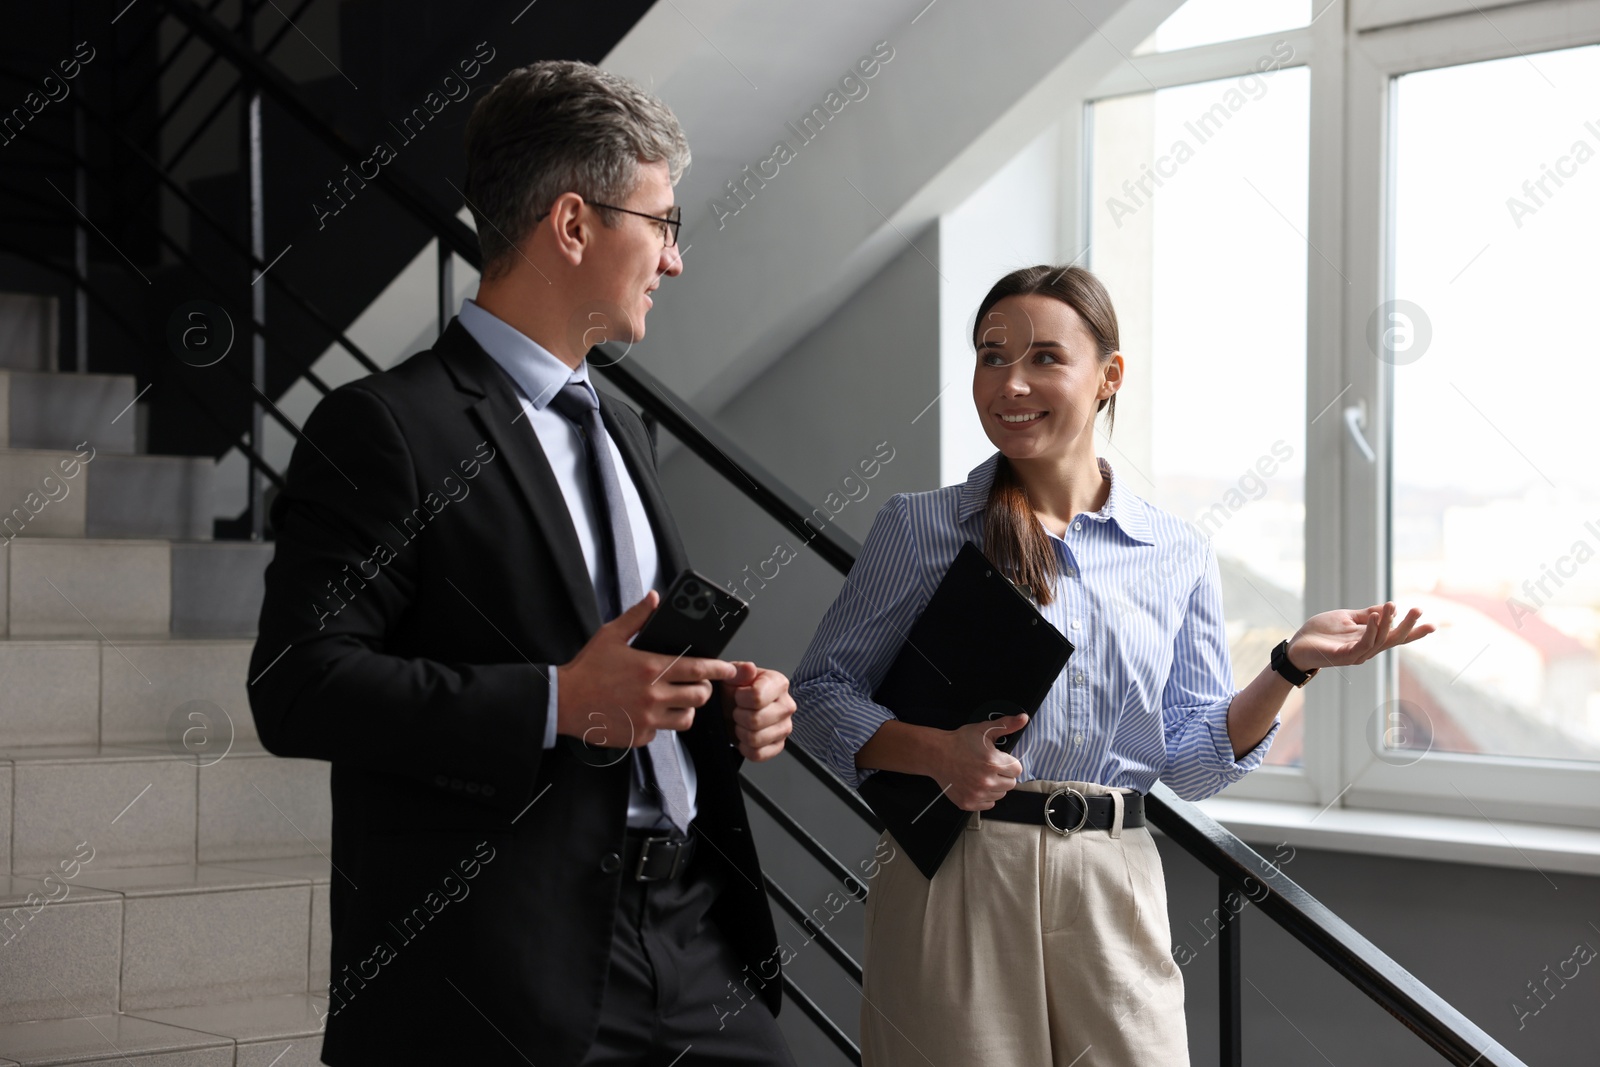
1043 938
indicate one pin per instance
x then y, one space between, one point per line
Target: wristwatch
1281 664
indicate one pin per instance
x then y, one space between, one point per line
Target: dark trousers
667 996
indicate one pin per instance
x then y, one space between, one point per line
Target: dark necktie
620 581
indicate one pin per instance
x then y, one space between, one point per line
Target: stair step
167 936
52 493
217 587
134 807
142 805
42 409
261 1028
65 691
67 933
112 1038
195 934
277 1031
319 869
87 587
27 331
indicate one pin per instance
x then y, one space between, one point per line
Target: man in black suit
540 850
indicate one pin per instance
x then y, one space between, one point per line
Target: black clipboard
979 649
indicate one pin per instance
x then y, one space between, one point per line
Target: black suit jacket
426 574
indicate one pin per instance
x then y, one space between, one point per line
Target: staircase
165 888
164 891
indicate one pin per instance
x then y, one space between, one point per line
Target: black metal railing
1238 868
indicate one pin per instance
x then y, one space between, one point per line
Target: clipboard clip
990 710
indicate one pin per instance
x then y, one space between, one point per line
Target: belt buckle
1048 811
644 858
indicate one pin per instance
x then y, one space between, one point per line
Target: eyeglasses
669 223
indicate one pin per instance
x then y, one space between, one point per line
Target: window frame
1354 50
1164 70
1558 792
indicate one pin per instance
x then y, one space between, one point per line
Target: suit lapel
499 415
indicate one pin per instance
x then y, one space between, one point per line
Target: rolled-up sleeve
1195 700
855 644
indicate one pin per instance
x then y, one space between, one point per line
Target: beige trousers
1026 949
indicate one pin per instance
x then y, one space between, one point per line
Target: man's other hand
612 695
759 710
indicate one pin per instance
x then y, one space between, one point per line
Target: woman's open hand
1343 638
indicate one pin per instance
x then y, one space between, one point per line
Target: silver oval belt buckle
1083 801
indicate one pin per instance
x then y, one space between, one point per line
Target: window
1495 500
1468 266
1203 22
1377 248
1199 197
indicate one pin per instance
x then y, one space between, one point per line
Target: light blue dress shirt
1145 694
539 376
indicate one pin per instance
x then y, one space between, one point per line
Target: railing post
447 284
80 246
255 486
1229 1017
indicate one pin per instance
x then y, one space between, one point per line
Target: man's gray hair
554 127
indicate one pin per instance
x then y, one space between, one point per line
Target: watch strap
1281 664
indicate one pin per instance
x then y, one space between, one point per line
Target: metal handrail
226 97
238 247
1395 989
448 229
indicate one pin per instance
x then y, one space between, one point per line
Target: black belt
654 856
1066 810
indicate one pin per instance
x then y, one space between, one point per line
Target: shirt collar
534 368
1122 506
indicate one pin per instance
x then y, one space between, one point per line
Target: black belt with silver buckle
1066 811
648 856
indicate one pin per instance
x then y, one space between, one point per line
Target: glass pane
1199 203
1212 21
1495 489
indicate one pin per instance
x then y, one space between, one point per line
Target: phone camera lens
701 603
691 588
680 602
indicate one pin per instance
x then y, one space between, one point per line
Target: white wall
858 381
1011 221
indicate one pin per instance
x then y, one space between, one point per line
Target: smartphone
696 617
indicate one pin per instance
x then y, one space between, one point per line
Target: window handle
1355 420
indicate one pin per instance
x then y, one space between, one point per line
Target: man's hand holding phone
612 695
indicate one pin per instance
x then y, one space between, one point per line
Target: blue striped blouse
1145 695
